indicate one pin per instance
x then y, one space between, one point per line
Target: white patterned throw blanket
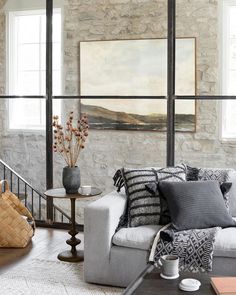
193 247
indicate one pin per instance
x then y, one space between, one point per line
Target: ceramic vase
71 179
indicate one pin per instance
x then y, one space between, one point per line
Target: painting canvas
136 68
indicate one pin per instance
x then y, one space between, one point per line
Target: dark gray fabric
165 212
196 204
142 206
192 173
225 188
222 175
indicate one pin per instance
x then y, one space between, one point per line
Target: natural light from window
27 67
229 69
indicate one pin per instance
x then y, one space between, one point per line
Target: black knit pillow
142 206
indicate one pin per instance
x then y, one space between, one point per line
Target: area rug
43 277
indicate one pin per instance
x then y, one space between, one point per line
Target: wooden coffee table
149 282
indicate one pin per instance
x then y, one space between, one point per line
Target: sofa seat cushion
225 243
140 237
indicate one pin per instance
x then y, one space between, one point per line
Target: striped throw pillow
143 207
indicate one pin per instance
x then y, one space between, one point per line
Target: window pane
27 48
43 28
232 64
29 28
108 150
57 25
231 85
30 114
135 66
56 82
24 152
215 57
204 147
232 23
185 116
229 48
57 56
185 83
229 119
26 114
43 82
43 57
28 57
28 83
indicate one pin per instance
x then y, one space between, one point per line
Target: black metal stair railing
35 201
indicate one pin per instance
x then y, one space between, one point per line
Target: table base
69 256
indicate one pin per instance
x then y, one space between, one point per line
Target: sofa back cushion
222 175
196 204
142 206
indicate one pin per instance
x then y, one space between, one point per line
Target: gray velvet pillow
196 204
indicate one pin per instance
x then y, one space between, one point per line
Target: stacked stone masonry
107 151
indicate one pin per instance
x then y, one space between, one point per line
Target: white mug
85 190
169 266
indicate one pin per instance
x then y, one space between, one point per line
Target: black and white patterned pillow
142 206
221 175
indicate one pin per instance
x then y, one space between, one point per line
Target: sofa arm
101 219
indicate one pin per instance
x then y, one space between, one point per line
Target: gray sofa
116 258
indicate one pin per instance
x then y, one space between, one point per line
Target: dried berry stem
69 143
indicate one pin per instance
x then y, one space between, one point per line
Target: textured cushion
165 212
196 204
144 207
222 175
140 237
165 217
192 173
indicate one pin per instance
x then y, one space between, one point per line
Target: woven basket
15 231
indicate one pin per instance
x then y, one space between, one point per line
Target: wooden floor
46 244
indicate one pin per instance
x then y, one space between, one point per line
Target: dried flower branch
69 142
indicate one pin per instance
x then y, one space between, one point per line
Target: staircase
35 201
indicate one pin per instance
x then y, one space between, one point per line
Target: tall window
27 66
229 68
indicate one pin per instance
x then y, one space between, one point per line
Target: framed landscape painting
136 68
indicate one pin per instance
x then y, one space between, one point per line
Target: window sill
228 140
25 132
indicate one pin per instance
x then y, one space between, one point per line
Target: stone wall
108 150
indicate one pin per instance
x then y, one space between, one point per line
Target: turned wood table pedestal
71 255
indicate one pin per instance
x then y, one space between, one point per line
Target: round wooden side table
72 255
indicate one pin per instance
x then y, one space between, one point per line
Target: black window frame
170 98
